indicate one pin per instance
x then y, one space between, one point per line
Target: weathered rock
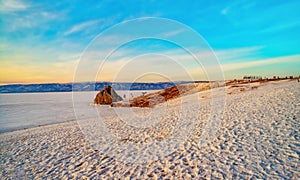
115 96
152 99
107 96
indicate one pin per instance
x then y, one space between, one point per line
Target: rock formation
152 99
107 96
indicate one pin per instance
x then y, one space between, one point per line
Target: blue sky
42 41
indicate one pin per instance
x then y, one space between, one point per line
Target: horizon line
32 83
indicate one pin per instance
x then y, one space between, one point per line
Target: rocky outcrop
107 96
152 99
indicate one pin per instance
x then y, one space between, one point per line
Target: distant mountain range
84 86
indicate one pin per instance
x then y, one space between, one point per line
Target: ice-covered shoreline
258 138
27 110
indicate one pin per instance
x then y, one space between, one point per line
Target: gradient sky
42 42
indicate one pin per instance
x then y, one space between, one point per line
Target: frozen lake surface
26 110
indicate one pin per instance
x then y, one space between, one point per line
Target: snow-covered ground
25 110
258 138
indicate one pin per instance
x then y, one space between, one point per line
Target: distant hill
84 86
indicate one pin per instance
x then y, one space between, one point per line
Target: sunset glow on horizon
42 42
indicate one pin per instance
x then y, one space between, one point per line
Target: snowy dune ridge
257 138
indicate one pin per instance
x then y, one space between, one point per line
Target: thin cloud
3 47
91 25
262 62
237 54
80 27
23 18
173 33
68 57
13 5
237 5
280 27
